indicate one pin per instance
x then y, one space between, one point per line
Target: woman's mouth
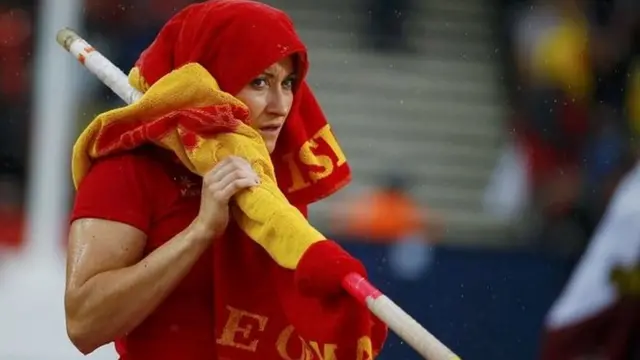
271 129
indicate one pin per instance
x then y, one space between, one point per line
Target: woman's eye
288 84
259 83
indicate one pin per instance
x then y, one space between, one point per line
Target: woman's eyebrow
272 74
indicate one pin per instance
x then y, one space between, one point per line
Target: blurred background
486 138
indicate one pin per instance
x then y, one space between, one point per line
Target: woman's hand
219 185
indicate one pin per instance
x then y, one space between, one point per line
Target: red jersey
147 190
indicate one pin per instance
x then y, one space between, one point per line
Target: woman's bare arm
111 288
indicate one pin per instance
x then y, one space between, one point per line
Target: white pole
32 324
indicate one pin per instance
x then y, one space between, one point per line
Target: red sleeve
114 190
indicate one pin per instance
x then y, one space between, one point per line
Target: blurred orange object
382 216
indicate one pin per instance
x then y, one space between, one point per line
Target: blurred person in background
383 214
616 46
553 70
576 151
140 267
598 313
387 214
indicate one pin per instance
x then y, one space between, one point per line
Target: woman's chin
271 144
270 140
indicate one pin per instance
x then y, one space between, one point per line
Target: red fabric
11 227
236 41
120 136
609 335
315 261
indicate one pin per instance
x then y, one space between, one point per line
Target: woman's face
269 98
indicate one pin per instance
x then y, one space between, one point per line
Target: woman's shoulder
140 170
137 164
141 158
123 187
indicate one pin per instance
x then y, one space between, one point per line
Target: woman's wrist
200 232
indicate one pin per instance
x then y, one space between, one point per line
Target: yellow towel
186 112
